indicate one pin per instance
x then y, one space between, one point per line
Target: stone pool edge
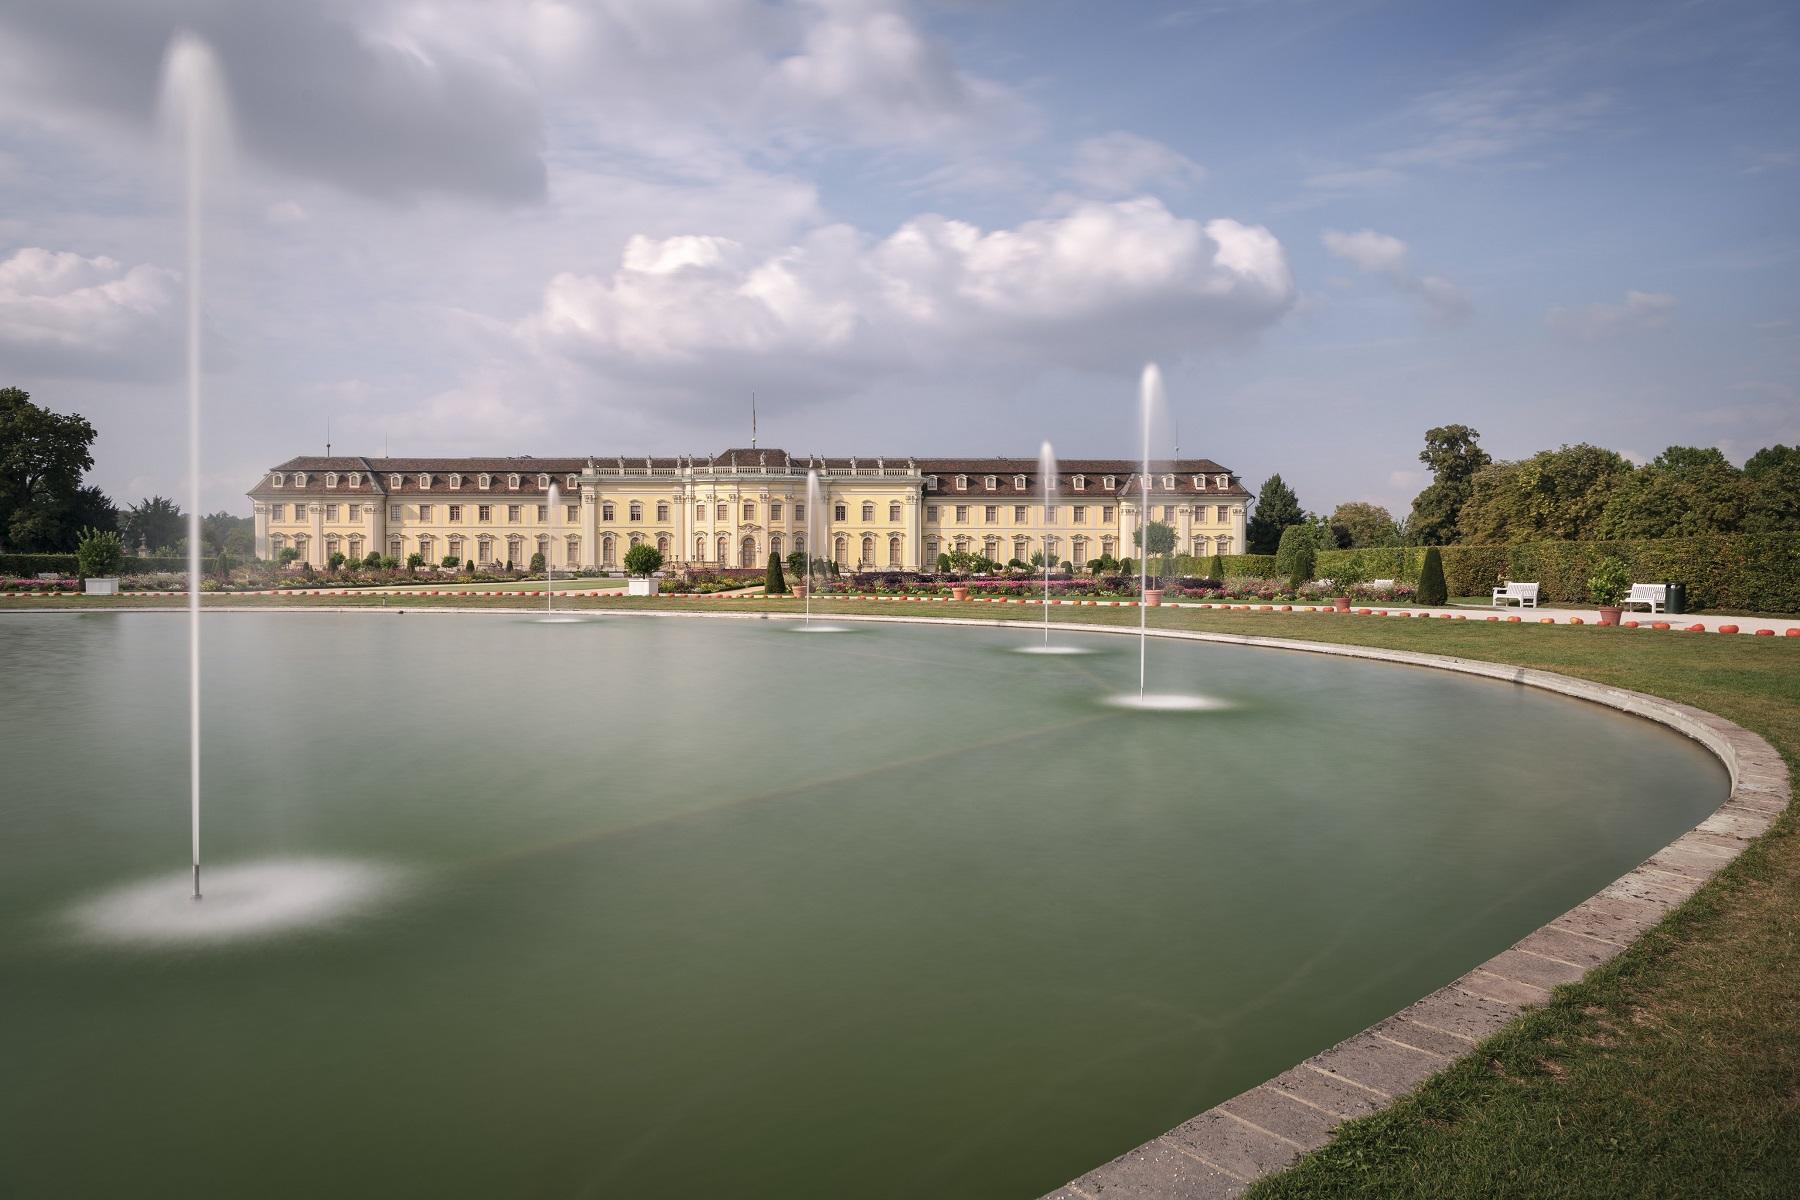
1258 1132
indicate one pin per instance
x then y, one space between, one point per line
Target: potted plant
98 556
1346 577
1607 588
641 562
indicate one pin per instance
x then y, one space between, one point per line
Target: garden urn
1152 597
959 592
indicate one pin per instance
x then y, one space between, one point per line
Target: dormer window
424 481
962 483
483 481
1018 483
395 482
455 482
331 480
1199 483
543 483
930 483
992 483
512 483
299 478
1223 481
571 483
1108 482
275 479
1168 482
356 479
1079 482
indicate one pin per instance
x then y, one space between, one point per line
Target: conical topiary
1215 569
1432 589
774 582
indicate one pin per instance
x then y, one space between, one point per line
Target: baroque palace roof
387 476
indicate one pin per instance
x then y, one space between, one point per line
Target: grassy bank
1673 1071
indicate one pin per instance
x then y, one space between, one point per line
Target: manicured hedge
1255 566
1378 562
1759 572
26 566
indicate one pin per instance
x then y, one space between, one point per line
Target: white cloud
1384 254
1124 164
1102 285
1641 310
64 314
1367 249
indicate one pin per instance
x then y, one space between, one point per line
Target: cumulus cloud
1386 255
1100 286
1124 164
66 315
1641 310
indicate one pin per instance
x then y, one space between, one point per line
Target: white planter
640 585
100 587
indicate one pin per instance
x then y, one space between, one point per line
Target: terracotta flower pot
1610 615
1343 603
1152 597
959 593
799 591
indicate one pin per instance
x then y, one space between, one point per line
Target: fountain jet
1150 399
193 106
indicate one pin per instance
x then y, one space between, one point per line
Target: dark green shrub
1610 582
774 582
414 561
643 559
1215 568
451 561
469 565
1431 579
27 566
288 555
537 562
943 564
372 560
1297 556
336 560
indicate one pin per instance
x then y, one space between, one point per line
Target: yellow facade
734 509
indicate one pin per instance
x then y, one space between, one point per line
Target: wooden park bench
1525 593
1656 595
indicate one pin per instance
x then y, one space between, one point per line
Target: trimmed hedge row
1254 566
1758 572
25 566
1378 562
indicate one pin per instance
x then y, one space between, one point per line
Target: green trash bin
1677 597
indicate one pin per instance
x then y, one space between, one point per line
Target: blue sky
546 227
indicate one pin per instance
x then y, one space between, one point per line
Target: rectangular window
1106 513
1018 514
962 514
1222 511
1049 513
543 514
799 512
455 513
606 513
774 510
484 513
331 512
931 514
723 512
1081 514
277 512
512 514
749 510
840 512
991 514
574 513
394 512
1168 514
424 512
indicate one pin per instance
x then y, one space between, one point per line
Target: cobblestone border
1219 1153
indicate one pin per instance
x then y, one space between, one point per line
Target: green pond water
663 907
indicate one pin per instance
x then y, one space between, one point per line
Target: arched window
724 549
662 544
455 481
395 482
662 511
1108 482
747 552
572 551
700 547
868 550
512 483
1019 482
992 482
515 549
1078 482
1199 483
1021 549
894 555
775 544
299 478
544 482
356 549
276 479
931 483
484 481
609 556
800 543
841 549
637 510
1050 549
277 543
571 483
962 483
424 481
893 510
636 539
1168 482
425 544
1221 481
990 546
456 546
868 510
1079 548
356 479
331 479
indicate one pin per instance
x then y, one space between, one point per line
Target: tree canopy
1277 507
1161 538
1357 523
1455 457
43 455
153 524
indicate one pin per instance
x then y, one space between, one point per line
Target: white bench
1656 595
1384 584
1525 593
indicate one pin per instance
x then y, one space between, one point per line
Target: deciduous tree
1452 453
1276 508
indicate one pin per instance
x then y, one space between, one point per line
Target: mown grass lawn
1672 1072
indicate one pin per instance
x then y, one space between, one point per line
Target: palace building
735 508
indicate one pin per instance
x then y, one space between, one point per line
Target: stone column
315 545
262 530
375 526
590 526
915 531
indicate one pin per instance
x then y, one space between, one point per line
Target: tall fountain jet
1150 400
193 106
554 502
1047 475
814 500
